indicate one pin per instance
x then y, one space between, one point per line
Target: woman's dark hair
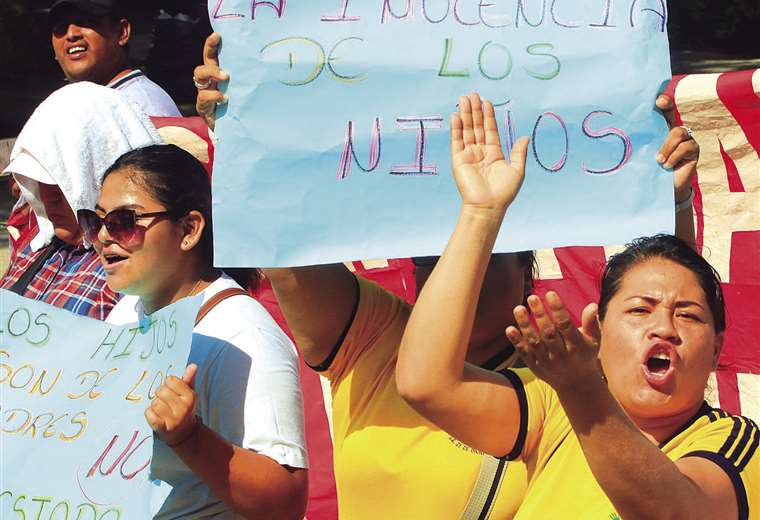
529 263
670 248
179 182
526 259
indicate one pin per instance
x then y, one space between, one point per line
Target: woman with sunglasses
231 430
610 420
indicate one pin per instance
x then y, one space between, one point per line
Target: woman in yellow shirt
610 419
389 461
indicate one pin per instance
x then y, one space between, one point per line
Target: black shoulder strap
19 287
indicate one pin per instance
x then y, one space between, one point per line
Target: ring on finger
201 85
689 132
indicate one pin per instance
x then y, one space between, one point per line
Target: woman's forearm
438 332
640 480
685 226
478 407
251 484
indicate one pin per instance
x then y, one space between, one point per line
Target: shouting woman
610 420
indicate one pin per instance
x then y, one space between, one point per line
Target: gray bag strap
487 486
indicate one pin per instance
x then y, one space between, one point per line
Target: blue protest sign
335 146
74 443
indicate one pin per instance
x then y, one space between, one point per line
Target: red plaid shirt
72 278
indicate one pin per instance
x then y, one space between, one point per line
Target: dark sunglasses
121 224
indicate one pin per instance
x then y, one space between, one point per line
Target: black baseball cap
93 7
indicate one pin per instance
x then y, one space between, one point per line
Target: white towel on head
70 140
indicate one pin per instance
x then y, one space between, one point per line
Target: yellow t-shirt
390 462
561 484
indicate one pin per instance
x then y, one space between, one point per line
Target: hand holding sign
172 413
208 76
679 151
484 178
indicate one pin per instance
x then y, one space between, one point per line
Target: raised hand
554 349
171 414
207 77
484 178
679 151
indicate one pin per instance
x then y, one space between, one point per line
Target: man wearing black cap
90 39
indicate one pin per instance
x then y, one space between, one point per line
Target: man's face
89 48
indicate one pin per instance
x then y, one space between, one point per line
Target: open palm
483 176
